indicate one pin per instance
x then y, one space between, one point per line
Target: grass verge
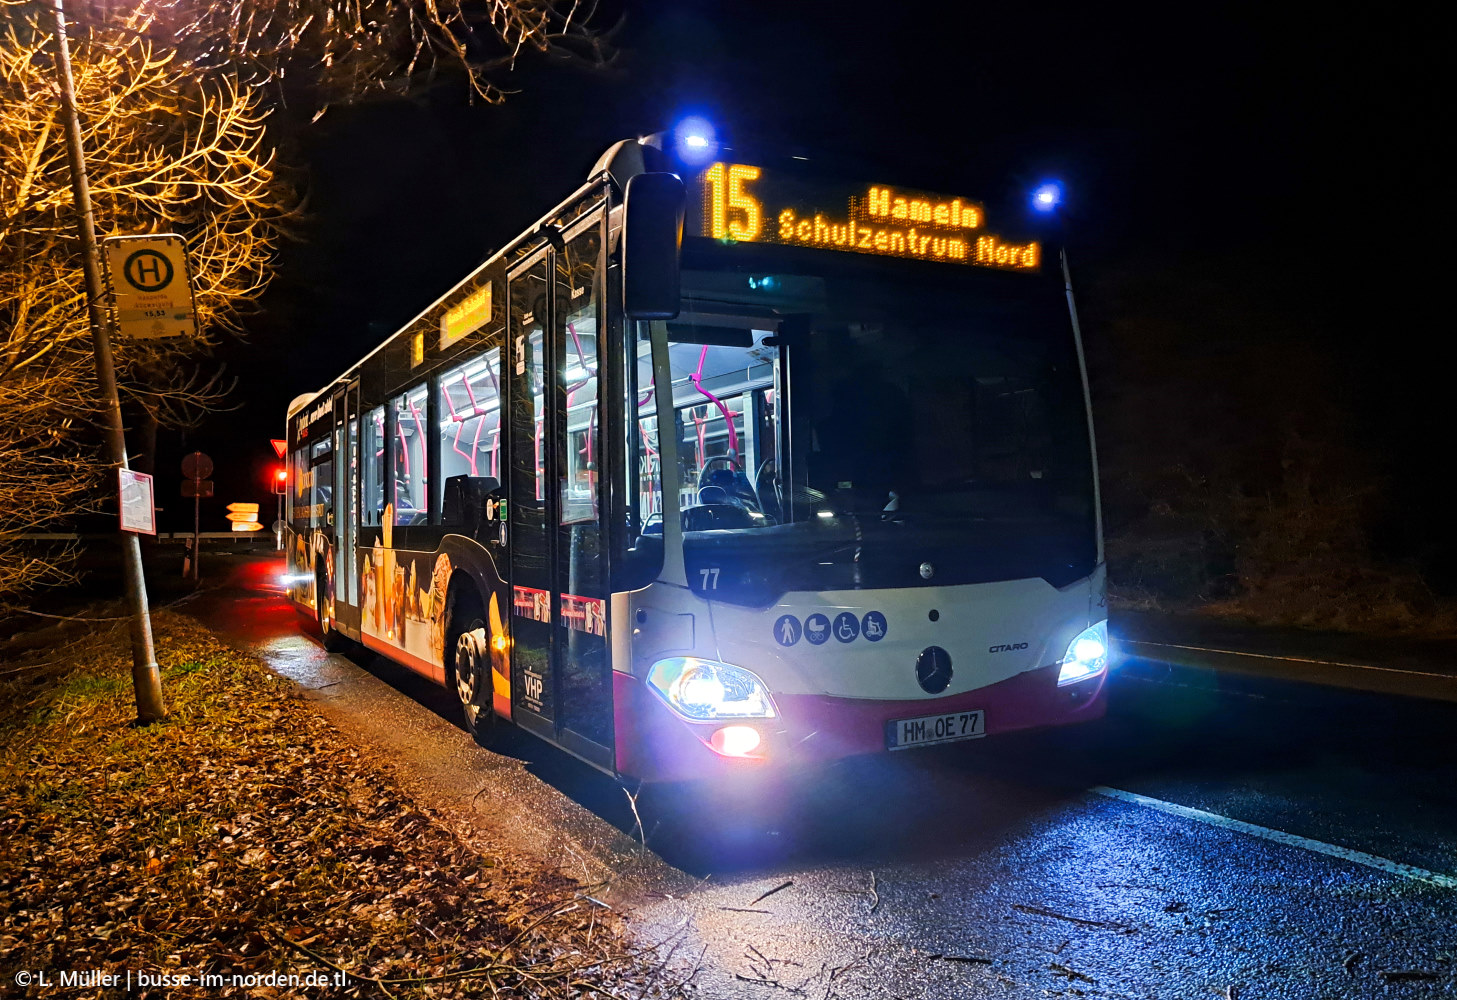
244 836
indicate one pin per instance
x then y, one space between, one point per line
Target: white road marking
1286 659
1281 837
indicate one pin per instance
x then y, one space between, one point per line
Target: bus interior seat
734 484
461 503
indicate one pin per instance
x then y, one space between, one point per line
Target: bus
722 464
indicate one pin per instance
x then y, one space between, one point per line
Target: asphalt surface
1425 668
1213 837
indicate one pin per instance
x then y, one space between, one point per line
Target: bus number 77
710 578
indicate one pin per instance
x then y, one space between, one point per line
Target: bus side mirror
652 245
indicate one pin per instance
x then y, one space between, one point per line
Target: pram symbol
817 629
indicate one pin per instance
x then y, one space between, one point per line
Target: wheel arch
473 577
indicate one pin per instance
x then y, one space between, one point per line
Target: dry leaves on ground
245 835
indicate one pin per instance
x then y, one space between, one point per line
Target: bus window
303 494
323 508
727 426
643 469
372 462
470 418
640 549
579 384
411 488
322 476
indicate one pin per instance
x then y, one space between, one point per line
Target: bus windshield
867 426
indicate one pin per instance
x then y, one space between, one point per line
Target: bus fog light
1086 656
703 690
736 741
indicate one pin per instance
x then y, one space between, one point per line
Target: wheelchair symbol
847 627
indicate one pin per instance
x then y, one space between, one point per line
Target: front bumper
656 744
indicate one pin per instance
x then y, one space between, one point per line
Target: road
1213 837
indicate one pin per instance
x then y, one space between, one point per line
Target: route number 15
727 195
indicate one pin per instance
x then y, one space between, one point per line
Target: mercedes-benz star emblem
933 669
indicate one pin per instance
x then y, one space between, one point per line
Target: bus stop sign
151 287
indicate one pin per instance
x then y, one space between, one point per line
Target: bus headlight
1086 656
704 690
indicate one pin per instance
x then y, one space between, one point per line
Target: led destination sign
742 204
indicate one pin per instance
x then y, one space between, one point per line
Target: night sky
1302 146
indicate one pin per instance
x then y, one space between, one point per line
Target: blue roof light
694 140
1047 196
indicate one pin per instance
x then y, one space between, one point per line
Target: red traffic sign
197 488
197 466
279 446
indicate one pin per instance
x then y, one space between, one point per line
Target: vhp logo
1006 648
532 684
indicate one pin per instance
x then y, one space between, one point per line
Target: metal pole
146 679
1072 308
196 525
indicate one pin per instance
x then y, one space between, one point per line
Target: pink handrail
477 411
405 456
459 422
455 446
420 439
697 379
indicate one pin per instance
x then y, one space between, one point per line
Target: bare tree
324 51
174 99
170 152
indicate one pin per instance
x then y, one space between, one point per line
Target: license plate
902 734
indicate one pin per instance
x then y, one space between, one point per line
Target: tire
470 675
334 641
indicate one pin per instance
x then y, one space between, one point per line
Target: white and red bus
718 467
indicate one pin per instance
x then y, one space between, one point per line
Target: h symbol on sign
149 269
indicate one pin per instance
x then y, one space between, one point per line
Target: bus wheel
471 677
334 640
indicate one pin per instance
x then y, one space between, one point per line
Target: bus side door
560 674
345 507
